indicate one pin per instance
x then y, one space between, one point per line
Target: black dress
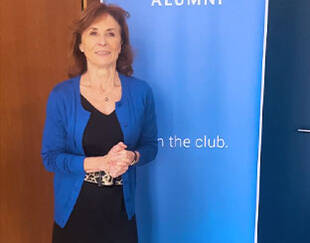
99 215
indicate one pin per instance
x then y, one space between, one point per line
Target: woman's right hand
118 161
115 163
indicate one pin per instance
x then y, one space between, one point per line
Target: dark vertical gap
284 210
82 5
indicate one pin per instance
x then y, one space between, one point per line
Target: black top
102 131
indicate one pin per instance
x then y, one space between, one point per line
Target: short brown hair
88 16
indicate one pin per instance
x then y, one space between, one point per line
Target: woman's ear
81 48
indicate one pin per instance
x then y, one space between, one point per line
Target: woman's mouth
103 53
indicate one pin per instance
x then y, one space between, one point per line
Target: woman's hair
88 16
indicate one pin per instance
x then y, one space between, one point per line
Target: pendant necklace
106 98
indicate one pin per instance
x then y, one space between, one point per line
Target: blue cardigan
62 151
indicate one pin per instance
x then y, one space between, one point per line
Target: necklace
106 97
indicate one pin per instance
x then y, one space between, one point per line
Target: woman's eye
111 34
93 33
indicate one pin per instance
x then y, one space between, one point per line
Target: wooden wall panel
34 42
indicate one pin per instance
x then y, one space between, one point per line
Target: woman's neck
101 78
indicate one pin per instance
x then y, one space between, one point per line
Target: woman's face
101 42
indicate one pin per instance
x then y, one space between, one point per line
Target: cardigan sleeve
53 152
147 144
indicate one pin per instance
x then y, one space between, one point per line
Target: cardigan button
126 125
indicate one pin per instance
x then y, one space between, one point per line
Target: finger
121 155
118 171
119 147
116 149
130 155
120 159
116 158
122 143
122 167
123 161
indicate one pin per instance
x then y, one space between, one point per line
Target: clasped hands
118 160
114 163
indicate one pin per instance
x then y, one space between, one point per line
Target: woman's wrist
136 157
94 164
90 164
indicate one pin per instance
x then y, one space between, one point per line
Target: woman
100 125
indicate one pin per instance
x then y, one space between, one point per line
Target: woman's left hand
120 159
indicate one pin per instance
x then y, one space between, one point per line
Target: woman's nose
102 40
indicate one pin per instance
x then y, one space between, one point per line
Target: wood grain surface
34 44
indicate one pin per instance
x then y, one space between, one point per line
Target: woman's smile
103 53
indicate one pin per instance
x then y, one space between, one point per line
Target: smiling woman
117 20
96 133
101 42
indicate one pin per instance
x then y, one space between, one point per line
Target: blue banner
203 59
